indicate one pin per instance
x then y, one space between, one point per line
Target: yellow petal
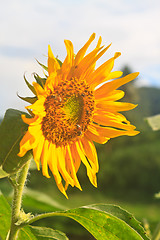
76 157
53 163
112 96
26 144
28 120
96 138
39 89
111 132
99 42
62 166
115 106
107 121
70 164
83 50
101 73
110 86
53 65
90 66
90 152
68 62
90 173
38 107
37 151
44 159
86 62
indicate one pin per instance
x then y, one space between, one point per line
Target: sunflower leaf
12 130
5 216
154 122
40 233
105 221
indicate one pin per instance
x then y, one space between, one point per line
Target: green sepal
30 86
59 61
43 66
28 99
39 80
12 129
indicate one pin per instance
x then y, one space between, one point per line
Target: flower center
69 109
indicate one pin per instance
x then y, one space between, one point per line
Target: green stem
45 215
17 200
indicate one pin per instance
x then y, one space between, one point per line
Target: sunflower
73 106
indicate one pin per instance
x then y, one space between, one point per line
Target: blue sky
27 27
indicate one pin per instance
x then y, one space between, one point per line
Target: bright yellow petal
112 96
62 165
76 157
99 42
37 151
101 74
83 50
53 163
45 158
90 152
90 173
107 121
53 64
111 132
61 188
115 106
85 63
39 90
111 86
70 165
89 69
38 107
68 62
29 120
96 138
26 144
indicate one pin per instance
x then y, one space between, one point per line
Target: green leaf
107 222
3 174
36 201
154 122
40 233
5 216
12 130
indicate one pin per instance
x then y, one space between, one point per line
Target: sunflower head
74 105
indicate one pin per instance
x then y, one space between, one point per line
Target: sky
27 27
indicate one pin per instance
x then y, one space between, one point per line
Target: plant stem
17 200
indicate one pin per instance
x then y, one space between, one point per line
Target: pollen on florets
69 109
